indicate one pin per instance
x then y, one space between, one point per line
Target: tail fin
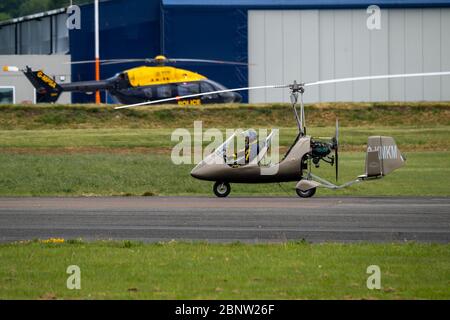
383 156
47 90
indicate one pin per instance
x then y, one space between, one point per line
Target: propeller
336 149
317 83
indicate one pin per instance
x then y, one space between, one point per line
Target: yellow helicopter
141 84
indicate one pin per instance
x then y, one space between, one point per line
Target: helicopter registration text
46 79
192 102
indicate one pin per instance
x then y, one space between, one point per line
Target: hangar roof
307 4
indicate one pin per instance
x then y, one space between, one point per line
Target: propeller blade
387 76
336 158
335 147
336 151
199 95
336 134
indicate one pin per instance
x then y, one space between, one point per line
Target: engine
320 150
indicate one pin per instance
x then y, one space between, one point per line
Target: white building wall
311 45
55 66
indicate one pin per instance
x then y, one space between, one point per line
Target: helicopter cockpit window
187 88
164 91
206 87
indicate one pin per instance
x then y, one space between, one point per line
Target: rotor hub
297 87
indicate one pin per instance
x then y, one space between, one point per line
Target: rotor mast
297 88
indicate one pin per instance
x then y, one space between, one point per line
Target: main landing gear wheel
306 194
222 189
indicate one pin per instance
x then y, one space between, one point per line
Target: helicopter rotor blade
387 76
92 61
199 95
123 61
175 60
391 76
158 61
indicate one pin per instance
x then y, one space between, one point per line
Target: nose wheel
222 189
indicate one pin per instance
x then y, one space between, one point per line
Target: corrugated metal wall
40 35
128 29
310 45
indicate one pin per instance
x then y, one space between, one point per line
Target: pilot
251 145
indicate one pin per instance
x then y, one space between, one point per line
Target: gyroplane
247 166
153 81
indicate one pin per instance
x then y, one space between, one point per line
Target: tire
306 194
222 189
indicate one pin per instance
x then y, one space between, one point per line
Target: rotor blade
89 61
387 76
199 95
175 60
123 61
107 61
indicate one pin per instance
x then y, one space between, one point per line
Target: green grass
425 174
90 150
234 116
113 270
407 138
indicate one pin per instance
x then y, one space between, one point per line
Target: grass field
126 270
149 174
233 116
90 150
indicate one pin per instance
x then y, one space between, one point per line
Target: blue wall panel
307 4
208 33
128 29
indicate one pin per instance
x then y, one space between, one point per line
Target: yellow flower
52 240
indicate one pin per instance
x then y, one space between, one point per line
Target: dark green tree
18 8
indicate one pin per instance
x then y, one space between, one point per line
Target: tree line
17 8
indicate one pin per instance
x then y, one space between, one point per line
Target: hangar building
282 40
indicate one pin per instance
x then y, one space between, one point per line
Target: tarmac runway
226 220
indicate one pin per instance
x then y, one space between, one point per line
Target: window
148 92
206 87
7 95
185 89
164 91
